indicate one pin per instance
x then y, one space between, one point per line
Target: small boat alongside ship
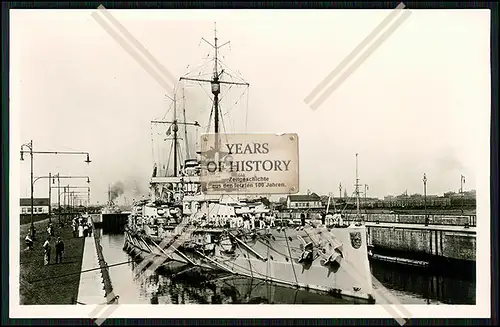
180 226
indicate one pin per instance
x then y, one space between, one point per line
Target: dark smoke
131 188
116 190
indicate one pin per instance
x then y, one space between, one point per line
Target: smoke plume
128 189
116 190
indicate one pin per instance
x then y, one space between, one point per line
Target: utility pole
365 203
59 198
462 182
340 190
66 201
50 197
425 200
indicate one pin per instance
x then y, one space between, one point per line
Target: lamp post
52 179
425 200
65 203
59 177
31 152
50 198
462 182
69 187
30 147
58 199
72 195
366 203
66 190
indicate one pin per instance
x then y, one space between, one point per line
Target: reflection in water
409 285
414 285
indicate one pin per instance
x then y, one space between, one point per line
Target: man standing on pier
89 224
74 225
46 252
59 250
29 242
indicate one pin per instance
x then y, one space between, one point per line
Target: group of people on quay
47 245
82 227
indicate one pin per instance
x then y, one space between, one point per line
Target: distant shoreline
433 211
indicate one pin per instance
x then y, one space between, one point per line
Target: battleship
182 226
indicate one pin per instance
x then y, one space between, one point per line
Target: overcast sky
418 104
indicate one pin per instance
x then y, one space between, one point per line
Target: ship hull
135 247
337 262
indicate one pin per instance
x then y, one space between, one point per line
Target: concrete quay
91 289
449 242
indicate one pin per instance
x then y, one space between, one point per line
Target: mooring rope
291 259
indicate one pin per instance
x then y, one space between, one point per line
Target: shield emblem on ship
356 239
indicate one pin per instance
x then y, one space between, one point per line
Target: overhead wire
78 272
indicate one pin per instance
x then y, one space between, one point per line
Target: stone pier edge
106 279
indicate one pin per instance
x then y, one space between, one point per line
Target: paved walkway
91 289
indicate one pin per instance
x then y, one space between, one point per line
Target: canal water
410 285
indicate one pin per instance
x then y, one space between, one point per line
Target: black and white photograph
295 163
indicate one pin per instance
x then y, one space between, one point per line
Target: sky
419 104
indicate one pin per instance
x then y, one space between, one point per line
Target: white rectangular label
250 164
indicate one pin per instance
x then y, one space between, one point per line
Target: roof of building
26 202
304 197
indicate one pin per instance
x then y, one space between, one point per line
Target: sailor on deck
328 220
246 221
337 219
239 221
262 222
272 220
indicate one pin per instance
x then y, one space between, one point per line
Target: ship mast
188 153
175 129
215 83
357 189
174 125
